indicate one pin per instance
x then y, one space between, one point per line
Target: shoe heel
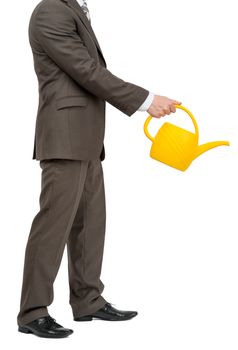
84 318
24 329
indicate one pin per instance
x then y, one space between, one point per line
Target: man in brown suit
74 85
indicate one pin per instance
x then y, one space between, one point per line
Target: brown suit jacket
74 84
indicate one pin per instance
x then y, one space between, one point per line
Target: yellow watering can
175 146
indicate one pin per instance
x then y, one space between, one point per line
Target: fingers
160 114
167 110
173 108
162 106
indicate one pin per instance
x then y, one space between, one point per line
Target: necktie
86 10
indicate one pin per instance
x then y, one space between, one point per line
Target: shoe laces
49 320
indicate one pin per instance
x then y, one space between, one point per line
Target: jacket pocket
71 101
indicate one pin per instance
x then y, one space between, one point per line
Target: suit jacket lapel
79 11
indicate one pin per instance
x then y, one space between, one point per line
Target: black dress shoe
45 327
108 313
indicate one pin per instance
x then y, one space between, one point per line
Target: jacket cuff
137 102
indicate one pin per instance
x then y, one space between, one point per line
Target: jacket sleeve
56 32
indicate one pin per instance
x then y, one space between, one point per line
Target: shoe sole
84 318
90 318
26 330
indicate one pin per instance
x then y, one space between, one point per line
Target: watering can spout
209 145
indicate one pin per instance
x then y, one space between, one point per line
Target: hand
162 105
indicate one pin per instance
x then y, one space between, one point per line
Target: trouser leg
86 243
61 190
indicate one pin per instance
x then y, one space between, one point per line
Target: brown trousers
72 213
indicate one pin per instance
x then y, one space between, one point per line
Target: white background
171 238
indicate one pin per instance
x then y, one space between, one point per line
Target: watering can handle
177 106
